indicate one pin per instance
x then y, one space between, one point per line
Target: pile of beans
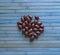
30 26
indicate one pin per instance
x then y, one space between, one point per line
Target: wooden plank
34 7
6 1
29 53
30 49
12 8
29 4
43 53
15 15
29 11
42 18
44 21
12 53
7 11
3 4
39 4
17 11
27 44
37 1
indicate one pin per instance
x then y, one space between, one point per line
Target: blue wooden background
12 42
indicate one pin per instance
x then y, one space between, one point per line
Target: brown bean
25 17
41 29
41 26
20 27
36 17
32 38
26 33
19 23
23 30
35 29
26 28
35 35
30 17
30 30
39 23
22 20
38 32
37 26
23 25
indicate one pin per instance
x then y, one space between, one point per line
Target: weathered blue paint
12 42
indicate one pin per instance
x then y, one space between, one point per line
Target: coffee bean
20 27
32 38
26 33
35 35
39 23
38 32
30 30
41 26
37 26
35 29
19 23
41 29
26 28
30 17
36 17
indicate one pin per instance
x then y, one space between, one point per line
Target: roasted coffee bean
26 28
23 30
25 17
30 17
23 25
32 38
35 29
26 22
30 34
39 23
41 29
19 23
30 30
26 33
22 20
35 35
29 25
35 22
38 32
20 27
41 26
37 26
36 18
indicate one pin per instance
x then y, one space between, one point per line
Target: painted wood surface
12 42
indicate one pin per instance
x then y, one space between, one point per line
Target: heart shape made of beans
31 29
